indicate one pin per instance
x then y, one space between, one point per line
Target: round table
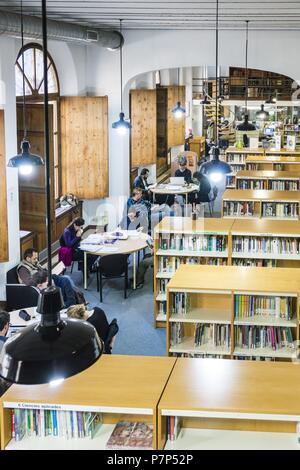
132 245
183 190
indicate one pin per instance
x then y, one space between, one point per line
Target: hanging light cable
121 125
246 125
25 161
178 110
216 168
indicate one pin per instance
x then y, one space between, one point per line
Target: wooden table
132 245
232 395
178 190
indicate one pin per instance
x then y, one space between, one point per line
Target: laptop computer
177 180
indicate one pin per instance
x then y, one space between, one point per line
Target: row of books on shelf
162 285
193 242
180 303
212 335
236 157
204 355
255 166
162 308
169 265
237 167
252 184
260 337
55 423
266 245
280 209
283 185
173 427
261 263
78 425
245 337
274 185
272 306
238 208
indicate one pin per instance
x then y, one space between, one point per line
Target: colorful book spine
247 306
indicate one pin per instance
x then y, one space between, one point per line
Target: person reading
141 182
98 319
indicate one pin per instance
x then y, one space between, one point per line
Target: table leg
85 269
186 204
134 270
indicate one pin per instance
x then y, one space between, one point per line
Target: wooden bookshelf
173 235
120 387
222 311
274 161
231 405
266 242
271 180
237 159
280 205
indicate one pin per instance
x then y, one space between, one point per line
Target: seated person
40 281
30 265
141 182
70 241
205 192
142 212
4 327
183 171
98 319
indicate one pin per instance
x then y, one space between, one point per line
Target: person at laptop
183 171
205 193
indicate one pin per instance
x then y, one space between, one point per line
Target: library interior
149 225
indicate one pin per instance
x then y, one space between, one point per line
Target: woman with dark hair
69 245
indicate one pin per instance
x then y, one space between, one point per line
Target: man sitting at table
183 171
30 265
4 327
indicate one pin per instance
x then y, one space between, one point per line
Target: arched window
34 72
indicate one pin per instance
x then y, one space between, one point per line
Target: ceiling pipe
57 30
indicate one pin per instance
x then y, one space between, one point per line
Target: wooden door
32 190
84 146
143 133
3 199
176 127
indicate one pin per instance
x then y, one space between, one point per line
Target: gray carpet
137 335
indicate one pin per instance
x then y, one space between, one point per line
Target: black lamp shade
216 165
245 125
25 158
51 349
121 123
178 109
262 114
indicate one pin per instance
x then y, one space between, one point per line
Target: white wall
8 103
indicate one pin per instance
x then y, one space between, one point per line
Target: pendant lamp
262 115
215 168
53 348
246 125
178 110
24 161
121 125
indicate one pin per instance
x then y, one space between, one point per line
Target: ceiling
165 14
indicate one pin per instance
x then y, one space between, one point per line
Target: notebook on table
177 180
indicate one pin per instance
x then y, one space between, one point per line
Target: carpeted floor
137 335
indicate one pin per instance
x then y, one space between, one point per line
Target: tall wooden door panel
84 146
143 133
176 127
3 199
32 188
